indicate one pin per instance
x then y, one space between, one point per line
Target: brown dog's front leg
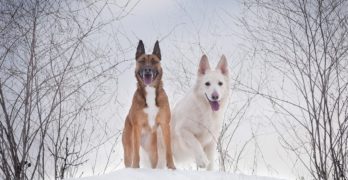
136 145
167 143
154 150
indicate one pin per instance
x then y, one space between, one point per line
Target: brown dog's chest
151 110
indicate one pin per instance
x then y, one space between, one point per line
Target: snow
160 174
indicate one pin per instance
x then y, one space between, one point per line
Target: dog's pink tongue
147 79
214 105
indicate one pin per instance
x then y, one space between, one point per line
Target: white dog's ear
222 65
203 65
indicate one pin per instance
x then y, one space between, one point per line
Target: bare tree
304 45
51 76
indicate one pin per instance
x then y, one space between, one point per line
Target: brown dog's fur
137 123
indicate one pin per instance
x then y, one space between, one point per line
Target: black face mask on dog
148 74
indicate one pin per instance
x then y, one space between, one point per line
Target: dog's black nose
147 70
215 97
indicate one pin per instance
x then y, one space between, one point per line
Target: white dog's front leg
210 151
192 143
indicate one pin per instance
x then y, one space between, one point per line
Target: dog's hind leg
193 144
127 142
136 145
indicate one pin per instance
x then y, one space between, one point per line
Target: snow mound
161 174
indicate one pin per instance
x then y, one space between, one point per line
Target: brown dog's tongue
214 105
147 79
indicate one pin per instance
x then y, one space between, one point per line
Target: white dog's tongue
214 105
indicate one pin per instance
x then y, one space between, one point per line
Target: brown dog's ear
140 50
222 65
203 65
157 50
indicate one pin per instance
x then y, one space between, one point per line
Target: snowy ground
159 174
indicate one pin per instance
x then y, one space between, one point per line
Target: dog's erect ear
140 50
157 50
223 66
203 65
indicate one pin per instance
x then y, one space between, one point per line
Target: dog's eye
207 83
142 60
220 83
154 62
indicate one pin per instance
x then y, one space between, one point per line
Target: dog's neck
142 88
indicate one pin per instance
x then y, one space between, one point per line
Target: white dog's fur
195 126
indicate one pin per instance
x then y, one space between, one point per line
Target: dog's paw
135 165
171 166
202 161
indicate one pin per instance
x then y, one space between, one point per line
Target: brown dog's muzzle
148 74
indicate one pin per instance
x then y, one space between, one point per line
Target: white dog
196 118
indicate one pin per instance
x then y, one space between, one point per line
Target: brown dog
150 109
